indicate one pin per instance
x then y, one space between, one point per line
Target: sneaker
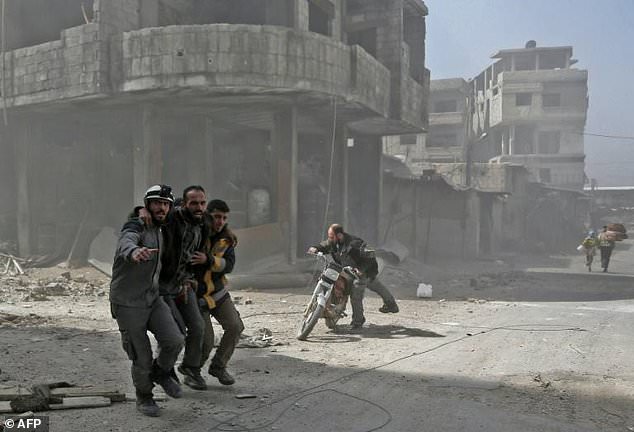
223 376
147 406
389 308
193 379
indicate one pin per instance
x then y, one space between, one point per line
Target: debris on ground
35 285
55 396
262 339
13 320
542 382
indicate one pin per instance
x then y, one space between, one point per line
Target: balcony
248 59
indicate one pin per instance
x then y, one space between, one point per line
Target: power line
621 137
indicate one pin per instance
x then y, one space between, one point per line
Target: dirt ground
476 356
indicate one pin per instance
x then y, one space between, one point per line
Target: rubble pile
12 320
31 286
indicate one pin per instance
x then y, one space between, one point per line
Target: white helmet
159 192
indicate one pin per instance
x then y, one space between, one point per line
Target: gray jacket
136 284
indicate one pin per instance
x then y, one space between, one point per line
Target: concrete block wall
371 81
260 57
66 68
412 97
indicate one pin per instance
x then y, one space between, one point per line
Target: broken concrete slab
102 249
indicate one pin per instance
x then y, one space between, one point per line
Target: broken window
414 37
523 143
408 139
442 140
320 15
552 61
354 6
551 100
549 142
524 62
366 39
32 22
523 99
179 12
446 106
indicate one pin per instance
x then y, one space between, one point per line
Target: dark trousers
195 328
606 253
229 318
134 324
356 297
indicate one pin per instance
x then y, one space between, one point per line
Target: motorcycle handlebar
352 271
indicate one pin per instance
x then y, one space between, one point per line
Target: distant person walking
589 248
606 246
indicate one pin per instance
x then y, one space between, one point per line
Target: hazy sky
463 34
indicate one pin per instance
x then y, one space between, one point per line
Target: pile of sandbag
616 232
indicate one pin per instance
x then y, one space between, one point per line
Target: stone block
167 63
136 68
224 41
156 66
196 62
223 62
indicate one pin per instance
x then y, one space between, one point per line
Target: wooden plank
82 402
113 395
10 393
5 407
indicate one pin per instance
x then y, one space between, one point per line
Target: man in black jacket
137 306
185 232
214 297
348 250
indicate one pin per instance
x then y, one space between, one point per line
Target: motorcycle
330 296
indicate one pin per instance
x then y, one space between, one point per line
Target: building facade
531 107
269 104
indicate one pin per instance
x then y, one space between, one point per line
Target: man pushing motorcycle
348 250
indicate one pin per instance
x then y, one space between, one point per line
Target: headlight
330 275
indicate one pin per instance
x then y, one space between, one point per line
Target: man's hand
145 216
198 258
142 254
312 250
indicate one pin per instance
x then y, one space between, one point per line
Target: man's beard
157 221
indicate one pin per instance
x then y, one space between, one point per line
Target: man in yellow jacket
213 296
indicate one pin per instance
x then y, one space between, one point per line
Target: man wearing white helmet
137 306
184 233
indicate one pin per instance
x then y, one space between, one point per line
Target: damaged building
513 134
276 106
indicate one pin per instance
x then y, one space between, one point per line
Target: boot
223 376
390 307
357 325
146 405
193 379
162 378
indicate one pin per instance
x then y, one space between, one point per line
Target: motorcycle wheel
314 311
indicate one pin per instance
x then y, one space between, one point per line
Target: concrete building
528 108
447 136
531 107
253 99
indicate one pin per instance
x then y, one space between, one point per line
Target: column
147 157
22 135
284 140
